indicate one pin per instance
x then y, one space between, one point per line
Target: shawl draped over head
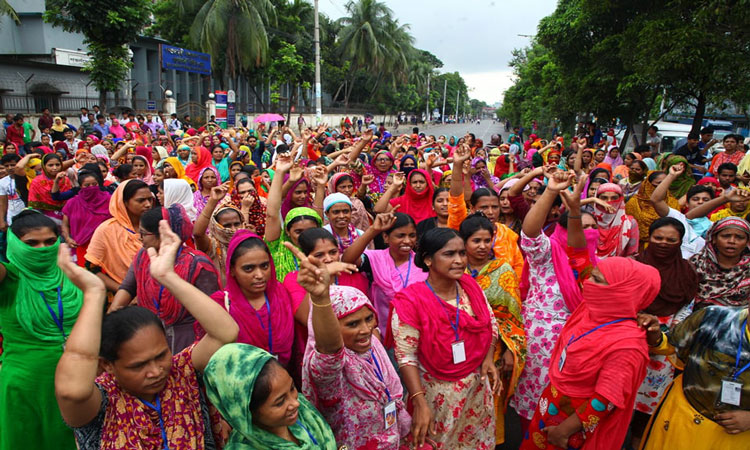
360 370
198 199
179 192
419 307
129 424
477 180
116 129
631 287
685 181
144 151
284 259
193 170
727 211
230 379
566 279
417 205
40 189
642 208
179 169
221 236
614 228
39 277
148 175
254 323
613 162
86 211
679 282
119 241
378 184
58 125
188 265
256 215
716 285
287 204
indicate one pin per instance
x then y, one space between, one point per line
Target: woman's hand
219 192
367 179
652 326
508 362
734 422
247 202
488 370
604 205
295 174
384 221
162 262
421 421
557 436
82 278
284 163
337 267
399 179
70 242
320 176
313 275
60 177
461 154
559 181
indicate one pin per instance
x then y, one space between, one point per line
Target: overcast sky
473 37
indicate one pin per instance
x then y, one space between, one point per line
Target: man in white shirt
10 202
653 139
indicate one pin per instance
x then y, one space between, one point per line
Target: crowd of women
255 289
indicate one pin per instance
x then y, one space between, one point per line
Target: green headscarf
39 277
684 182
283 259
230 379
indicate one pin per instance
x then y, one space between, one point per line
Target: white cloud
488 86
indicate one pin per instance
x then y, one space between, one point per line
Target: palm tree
233 32
7 10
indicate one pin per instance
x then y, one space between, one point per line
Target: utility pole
316 39
427 106
458 93
445 90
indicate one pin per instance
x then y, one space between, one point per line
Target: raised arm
517 189
382 222
202 241
576 237
579 156
315 278
460 156
384 202
121 152
658 197
534 221
358 146
729 195
219 326
273 208
21 165
77 395
320 176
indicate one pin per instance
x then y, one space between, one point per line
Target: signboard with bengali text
185 60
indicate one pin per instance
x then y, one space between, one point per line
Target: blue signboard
185 60
151 105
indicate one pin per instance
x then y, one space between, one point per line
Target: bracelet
320 306
575 217
411 397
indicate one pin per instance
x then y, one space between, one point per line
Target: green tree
7 10
107 29
289 67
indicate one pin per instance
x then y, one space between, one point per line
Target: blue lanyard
296 264
336 280
268 328
379 374
157 408
442 303
314 441
575 339
59 317
736 372
408 272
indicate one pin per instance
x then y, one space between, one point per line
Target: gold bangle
320 306
412 396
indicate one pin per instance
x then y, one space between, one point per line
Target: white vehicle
670 132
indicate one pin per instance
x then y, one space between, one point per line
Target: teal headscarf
38 280
230 379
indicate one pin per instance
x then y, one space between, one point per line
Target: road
483 131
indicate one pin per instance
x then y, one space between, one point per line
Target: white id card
563 355
731 392
389 414
459 353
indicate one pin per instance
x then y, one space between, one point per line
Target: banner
185 60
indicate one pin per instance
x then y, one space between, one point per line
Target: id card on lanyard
58 318
457 347
389 410
731 389
564 353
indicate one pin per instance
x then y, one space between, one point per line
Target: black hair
249 169
282 148
300 219
430 243
150 220
439 191
309 238
642 148
667 222
227 210
654 174
698 189
654 127
693 135
593 173
344 178
262 386
122 171
245 246
131 188
31 219
707 130
481 192
243 181
402 220
10 157
727 166
643 165
737 138
120 326
473 223
83 174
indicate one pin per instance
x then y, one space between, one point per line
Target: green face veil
43 289
230 379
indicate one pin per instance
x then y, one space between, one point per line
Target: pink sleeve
395 201
296 292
